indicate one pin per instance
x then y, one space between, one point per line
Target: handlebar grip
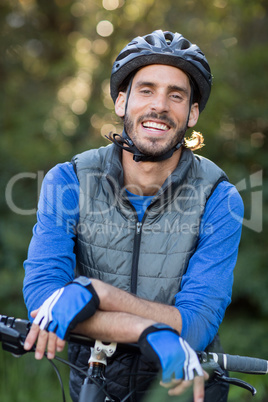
242 364
22 326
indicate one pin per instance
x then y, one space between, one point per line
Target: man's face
158 108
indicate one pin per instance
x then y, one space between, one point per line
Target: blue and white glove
68 306
163 346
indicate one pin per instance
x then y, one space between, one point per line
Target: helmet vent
150 39
169 37
184 44
125 54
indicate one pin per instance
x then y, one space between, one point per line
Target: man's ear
194 115
120 104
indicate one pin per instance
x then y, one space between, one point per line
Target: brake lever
215 371
239 383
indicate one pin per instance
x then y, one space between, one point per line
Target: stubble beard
153 148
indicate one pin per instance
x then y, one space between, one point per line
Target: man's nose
160 103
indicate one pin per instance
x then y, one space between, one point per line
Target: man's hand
45 340
180 366
60 313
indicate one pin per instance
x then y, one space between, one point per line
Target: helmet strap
128 92
191 99
125 143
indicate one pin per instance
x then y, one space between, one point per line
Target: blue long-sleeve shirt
206 286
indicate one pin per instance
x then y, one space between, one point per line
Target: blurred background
55 64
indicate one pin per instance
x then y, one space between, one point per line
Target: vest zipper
138 227
135 260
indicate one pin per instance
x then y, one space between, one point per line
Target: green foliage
25 379
55 65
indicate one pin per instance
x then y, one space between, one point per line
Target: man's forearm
114 327
116 300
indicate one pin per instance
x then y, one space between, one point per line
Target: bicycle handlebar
13 332
235 363
241 364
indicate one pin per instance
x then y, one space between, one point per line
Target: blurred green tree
55 64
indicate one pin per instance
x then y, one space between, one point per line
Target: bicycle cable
59 378
73 366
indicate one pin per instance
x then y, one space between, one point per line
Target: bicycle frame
97 363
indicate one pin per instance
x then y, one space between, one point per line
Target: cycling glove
163 346
68 306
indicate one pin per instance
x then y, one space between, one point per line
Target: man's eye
145 91
177 96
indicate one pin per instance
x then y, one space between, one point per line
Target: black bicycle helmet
163 48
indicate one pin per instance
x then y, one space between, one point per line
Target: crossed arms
120 317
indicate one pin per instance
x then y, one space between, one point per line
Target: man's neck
146 178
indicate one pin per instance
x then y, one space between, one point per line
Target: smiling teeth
151 124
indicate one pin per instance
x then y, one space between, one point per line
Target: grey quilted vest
147 258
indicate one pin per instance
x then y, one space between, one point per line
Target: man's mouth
155 126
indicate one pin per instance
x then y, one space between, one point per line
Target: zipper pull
138 227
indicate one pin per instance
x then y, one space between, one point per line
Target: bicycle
13 332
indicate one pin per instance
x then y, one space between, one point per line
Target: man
151 224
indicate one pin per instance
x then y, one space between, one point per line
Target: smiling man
164 277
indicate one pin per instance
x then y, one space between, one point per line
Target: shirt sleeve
51 259
206 287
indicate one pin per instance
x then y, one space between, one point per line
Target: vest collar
114 171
